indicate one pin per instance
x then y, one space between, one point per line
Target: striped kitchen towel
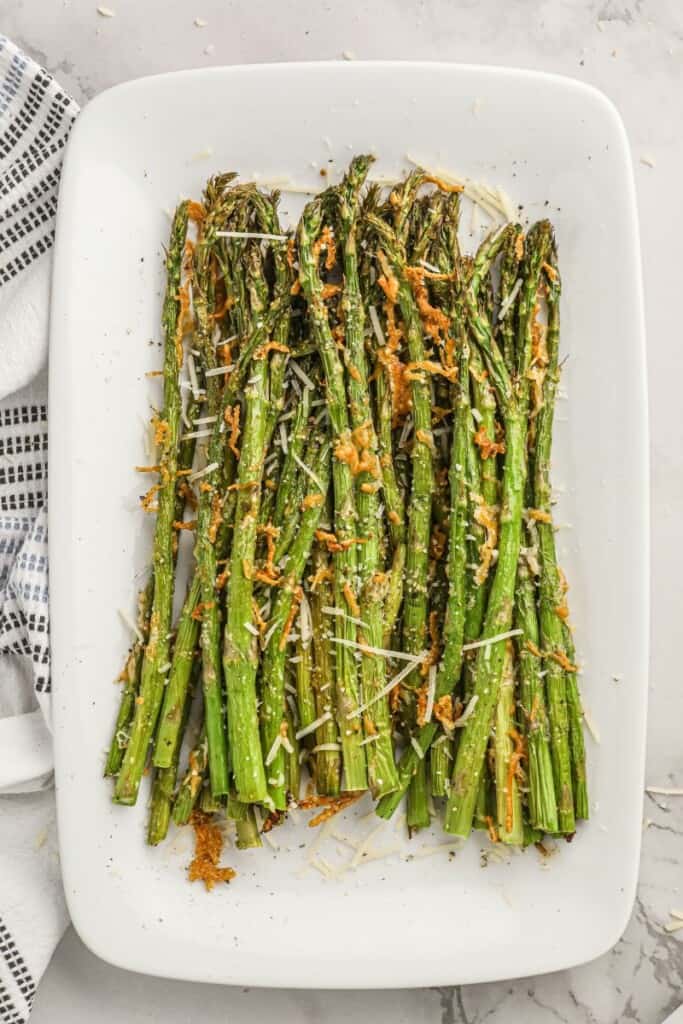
35 120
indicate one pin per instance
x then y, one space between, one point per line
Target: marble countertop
633 50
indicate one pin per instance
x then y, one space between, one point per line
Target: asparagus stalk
551 596
328 761
345 560
541 797
248 837
454 623
133 666
131 681
394 595
382 777
417 810
511 256
305 694
393 261
575 712
148 701
200 605
513 397
170 731
292 761
274 729
210 509
164 785
293 483
484 514
393 499
507 747
191 784
240 658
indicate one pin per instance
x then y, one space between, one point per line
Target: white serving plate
394 922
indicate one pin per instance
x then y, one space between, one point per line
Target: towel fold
35 120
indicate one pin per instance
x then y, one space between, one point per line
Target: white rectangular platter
559 149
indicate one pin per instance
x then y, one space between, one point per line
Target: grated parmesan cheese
509 299
492 640
128 621
369 739
377 327
205 471
219 371
303 377
305 621
191 369
468 712
430 850
196 433
398 678
340 613
309 472
405 431
308 729
272 753
264 235
431 692
590 725
382 652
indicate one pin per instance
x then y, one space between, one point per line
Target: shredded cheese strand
252 234
309 472
308 729
492 640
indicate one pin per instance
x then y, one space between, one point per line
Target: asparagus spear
445 255
131 682
393 261
239 651
385 358
170 731
218 205
552 604
210 497
484 515
382 777
248 837
345 560
165 783
417 810
274 730
328 761
293 482
542 800
511 256
451 660
305 694
191 784
513 397
239 655
575 712
148 701
507 748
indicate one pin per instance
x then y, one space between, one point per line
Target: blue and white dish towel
35 120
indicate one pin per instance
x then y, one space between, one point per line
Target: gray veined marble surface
633 50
